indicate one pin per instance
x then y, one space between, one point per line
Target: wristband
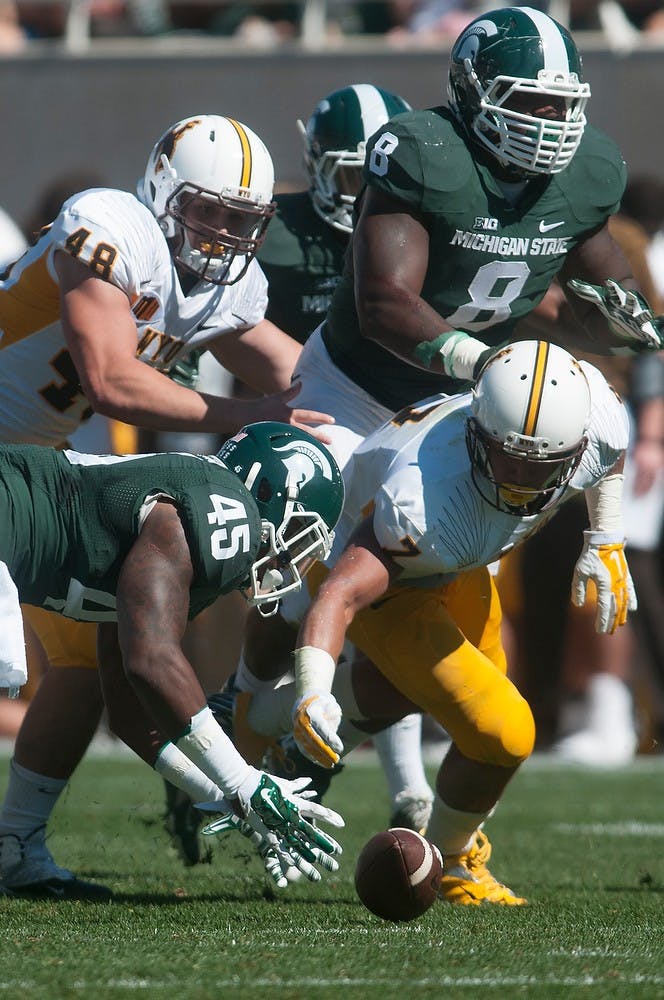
427 351
205 743
604 503
459 352
314 670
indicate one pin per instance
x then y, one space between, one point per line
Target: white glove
316 719
602 560
277 824
628 314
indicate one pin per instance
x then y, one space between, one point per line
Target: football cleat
412 811
284 760
181 822
28 871
230 707
467 881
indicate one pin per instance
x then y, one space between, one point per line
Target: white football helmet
527 432
209 183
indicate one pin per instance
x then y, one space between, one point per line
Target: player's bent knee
518 735
504 732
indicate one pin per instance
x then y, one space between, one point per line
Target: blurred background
90 84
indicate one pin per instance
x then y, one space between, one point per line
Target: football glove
627 312
277 861
316 718
602 560
275 818
185 370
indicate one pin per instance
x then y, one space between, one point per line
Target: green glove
273 819
185 370
280 813
628 314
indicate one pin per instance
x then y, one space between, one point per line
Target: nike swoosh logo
267 799
545 227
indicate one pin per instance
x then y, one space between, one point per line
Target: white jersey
41 400
428 514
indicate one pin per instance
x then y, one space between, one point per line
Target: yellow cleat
468 882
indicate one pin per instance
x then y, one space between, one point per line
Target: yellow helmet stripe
536 389
245 179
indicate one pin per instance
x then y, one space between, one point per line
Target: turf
584 847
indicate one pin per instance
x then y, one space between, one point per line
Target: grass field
585 848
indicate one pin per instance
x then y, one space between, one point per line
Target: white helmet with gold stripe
527 432
209 183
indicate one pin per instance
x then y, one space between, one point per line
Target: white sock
400 753
610 705
246 681
451 830
29 801
271 711
175 767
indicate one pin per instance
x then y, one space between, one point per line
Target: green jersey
491 259
68 522
302 258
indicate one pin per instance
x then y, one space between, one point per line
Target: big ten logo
487 224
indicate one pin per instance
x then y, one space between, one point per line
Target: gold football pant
67 643
442 648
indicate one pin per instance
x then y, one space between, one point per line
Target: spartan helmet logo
303 461
469 42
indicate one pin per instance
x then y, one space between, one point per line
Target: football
397 874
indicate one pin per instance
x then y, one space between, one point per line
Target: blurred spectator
255 23
107 18
424 21
644 516
579 684
12 36
644 202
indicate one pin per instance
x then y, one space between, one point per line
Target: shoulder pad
594 182
420 157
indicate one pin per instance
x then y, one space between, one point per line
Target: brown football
397 874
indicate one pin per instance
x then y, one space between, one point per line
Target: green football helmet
299 492
502 65
335 138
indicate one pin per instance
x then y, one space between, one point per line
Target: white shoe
412 810
27 869
608 738
593 750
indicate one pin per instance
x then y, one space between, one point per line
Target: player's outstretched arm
604 296
361 575
602 558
